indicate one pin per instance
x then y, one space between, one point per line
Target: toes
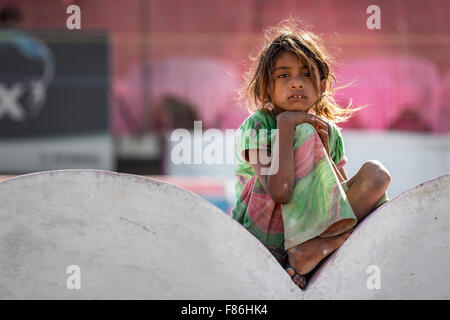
290 271
297 278
302 285
300 280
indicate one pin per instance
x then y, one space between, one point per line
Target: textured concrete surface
139 238
405 244
131 237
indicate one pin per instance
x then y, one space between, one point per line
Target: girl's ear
323 85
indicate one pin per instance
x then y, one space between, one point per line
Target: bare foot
297 278
306 256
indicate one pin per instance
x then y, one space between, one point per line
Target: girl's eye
283 75
307 74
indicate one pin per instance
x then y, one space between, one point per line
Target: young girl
292 190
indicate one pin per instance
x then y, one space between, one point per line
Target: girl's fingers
316 120
323 134
324 138
321 127
322 124
320 121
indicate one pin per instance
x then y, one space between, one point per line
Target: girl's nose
296 83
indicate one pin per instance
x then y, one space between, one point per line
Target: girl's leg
317 200
366 187
305 256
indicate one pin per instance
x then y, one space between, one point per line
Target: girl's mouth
296 98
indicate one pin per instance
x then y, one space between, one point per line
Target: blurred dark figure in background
174 113
10 16
410 120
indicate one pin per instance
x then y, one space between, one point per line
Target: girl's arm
280 185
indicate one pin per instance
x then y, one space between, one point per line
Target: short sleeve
255 133
337 150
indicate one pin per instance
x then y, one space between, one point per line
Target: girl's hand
323 129
297 117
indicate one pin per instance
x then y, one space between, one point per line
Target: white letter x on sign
9 102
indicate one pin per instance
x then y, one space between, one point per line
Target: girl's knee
376 174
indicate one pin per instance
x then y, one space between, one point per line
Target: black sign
53 83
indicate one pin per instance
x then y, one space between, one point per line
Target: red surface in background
213 38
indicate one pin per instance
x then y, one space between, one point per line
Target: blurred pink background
195 53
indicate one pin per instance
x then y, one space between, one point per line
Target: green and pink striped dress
318 200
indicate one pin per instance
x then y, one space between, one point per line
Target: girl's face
293 89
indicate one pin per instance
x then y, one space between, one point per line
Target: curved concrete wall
131 237
401 251
139 238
